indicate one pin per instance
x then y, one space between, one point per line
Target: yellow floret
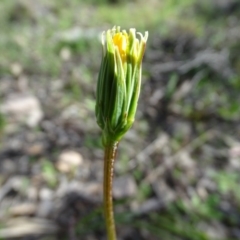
120 40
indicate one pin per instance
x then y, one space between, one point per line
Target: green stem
109 157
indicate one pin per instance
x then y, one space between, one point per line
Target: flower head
119 81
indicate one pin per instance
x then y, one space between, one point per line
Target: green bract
119 82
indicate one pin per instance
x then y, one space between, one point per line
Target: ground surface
177 170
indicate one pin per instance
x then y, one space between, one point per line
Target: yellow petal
120 40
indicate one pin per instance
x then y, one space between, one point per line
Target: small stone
35 149
202 192
235 151
23 209
92 190
207 184
163 192
124 186
32 193
23 108
16 69
65 54
186 163
8 166
149 205
68 161
46 194
21 227
18 183
45 208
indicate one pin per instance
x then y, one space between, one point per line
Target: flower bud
119 81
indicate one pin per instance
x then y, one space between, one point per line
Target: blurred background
177 170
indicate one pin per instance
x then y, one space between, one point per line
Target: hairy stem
109 157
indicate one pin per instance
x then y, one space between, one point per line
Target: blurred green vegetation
54 40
